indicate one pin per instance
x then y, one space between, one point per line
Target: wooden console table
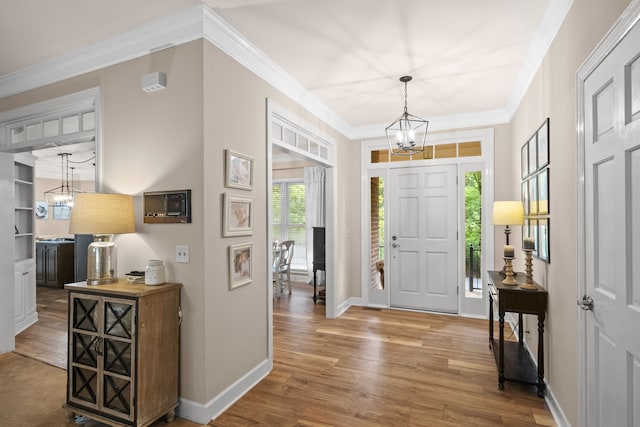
513 360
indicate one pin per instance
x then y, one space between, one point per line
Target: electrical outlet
182 253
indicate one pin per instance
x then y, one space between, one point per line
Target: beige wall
235 112
552 94
153 142
175 139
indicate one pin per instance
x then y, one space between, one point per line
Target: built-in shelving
23 207
24 242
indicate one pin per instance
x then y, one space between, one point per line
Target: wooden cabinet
54 263
25 313
123 352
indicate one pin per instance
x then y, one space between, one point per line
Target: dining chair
283 269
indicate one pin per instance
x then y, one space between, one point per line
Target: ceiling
468 58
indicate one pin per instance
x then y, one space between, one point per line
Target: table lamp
507 212
102 215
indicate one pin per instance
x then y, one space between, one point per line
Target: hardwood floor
367 368
381 368
46 340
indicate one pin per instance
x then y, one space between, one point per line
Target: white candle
528 243
508 251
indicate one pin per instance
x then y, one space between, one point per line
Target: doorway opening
472 154
295 149
40 135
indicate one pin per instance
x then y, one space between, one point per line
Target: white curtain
314 188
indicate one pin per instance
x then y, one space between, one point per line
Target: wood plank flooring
46 340
367 368
381 368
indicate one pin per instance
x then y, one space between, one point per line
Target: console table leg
314 285
501 353
541 385
490 320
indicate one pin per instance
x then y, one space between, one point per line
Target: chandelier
401 134
62 195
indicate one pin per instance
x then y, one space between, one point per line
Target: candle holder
528 270
508 269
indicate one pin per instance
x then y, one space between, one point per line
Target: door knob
586 303
395 245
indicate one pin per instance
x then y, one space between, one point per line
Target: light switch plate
182 253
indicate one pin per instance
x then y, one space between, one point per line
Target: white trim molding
203 413
202 22
629 18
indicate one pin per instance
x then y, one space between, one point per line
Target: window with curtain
288 199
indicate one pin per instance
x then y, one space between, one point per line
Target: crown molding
202 22
170 30
218 32
551 22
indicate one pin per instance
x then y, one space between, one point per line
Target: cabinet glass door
85 348
119 331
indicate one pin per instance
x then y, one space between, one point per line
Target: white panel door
423 244
612 236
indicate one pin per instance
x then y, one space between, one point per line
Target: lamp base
101 260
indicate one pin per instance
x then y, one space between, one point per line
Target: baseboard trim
556 410
347 304
204 413
21 326
554 407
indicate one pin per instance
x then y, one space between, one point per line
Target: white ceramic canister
154 272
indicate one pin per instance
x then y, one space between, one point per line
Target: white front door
423 238
611 237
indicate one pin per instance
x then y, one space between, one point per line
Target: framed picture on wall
543 192
533 196
237 218
61 211
533 232
524 160
238 170
525 197
533 154
42 210
543 240
543 144
240 267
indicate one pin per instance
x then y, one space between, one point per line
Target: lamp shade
508 212
101 213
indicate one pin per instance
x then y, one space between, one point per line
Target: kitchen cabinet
24 297
123 352
54 263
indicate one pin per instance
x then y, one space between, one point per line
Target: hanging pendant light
62 195
406 136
